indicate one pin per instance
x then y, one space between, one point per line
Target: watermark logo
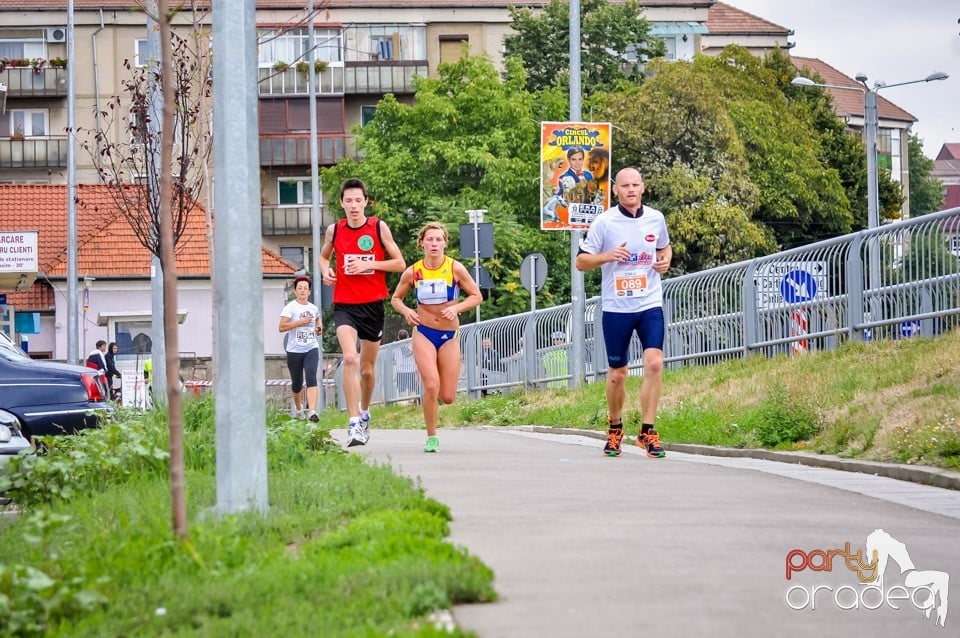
925 590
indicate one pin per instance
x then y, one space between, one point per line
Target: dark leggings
303 362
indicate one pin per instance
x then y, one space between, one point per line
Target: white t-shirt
302 338
629 286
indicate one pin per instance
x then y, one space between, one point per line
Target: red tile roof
849 102
38 298
335 4
106 244
949 151
724 19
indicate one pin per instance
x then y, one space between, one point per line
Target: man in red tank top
365 253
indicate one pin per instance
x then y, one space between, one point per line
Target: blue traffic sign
909 329
798 286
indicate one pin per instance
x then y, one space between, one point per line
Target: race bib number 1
432 291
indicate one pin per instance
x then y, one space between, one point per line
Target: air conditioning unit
56 34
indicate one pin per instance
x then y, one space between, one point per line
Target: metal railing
30 82
810 298
33 152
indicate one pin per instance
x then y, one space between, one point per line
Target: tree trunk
168 263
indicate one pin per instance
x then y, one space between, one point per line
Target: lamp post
871 124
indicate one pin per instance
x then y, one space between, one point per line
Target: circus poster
574 173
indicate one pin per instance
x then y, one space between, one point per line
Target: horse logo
883 547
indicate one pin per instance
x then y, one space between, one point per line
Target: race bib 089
630 283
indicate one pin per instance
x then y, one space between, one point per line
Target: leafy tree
608 33
801 199
677 130
469 141
926 192
840 149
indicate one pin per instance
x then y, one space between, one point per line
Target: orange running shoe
612 448
651 443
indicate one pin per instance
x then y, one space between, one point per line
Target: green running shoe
433 444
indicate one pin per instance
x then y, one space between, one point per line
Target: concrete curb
923 475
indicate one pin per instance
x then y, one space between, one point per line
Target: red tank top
359 243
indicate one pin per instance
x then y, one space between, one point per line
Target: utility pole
316 215
577 301
240 413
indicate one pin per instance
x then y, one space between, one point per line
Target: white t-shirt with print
302 338
629 286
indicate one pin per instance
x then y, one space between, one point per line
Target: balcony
286 220
383 76
33 152
291 81
359 78
291 150
28 82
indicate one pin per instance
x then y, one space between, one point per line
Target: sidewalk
584 545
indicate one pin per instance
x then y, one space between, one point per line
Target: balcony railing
291 81
33 152
28 82
385 76
365 77
286 220
289 150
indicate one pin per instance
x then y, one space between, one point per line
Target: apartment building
364 48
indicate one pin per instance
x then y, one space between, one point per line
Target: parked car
44 397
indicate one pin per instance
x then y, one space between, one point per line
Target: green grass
347 548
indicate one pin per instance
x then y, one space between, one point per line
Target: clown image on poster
574 173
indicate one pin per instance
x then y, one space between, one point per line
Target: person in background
112 372
437 281
490 364
97 359
302 320
555 360
404 365
366 252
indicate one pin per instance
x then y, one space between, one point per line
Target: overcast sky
889 40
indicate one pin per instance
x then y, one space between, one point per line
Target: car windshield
9 350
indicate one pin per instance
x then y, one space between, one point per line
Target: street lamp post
871 125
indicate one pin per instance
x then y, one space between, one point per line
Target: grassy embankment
896 402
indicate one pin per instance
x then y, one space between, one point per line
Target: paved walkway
583 545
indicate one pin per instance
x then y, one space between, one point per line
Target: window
296 255
140 49
292 46
25 123
367 113
366 42
19 49
293 191
451 47
133 337
671 48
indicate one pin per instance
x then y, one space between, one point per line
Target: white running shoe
356 435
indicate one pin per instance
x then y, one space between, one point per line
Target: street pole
316 220
476 218
74 355
871 124
578 306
